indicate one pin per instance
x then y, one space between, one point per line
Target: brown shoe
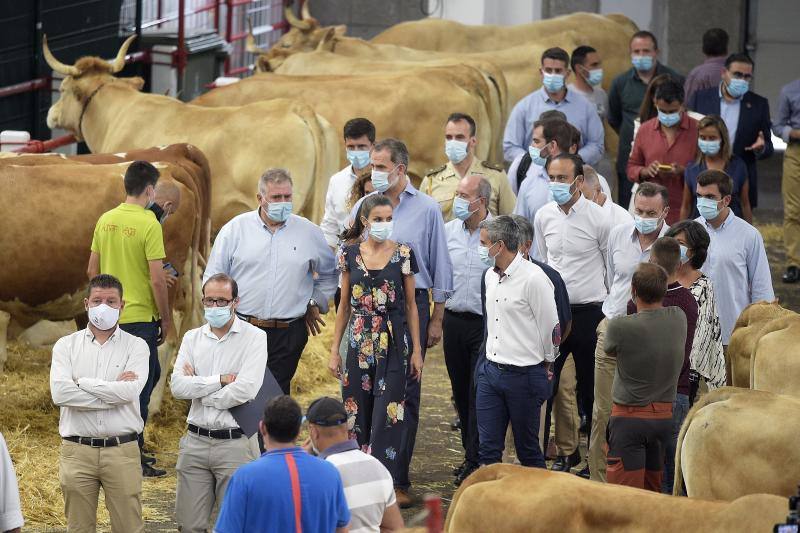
404 500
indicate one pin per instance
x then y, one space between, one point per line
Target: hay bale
312 373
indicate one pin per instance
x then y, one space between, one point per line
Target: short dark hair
575 135
666 253
358 127
578 56
282 418
718 178
553 114
104 281
138 176
738 57
648 189
558 131
697 240
455 117
577 162
649 282
715 42
559 54
223 278
398 152
644 34
670 91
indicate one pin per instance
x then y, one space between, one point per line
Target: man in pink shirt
707 74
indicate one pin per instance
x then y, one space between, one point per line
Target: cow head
81 82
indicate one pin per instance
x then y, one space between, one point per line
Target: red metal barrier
40 147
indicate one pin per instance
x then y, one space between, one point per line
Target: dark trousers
680 408
511 394
463 336
624 189
413 392
285 345
148 331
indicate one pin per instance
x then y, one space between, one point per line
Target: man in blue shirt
285 485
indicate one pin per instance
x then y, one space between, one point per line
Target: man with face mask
219 366
459 146
531 163
588 68
167 201
554 94
96 377
285 268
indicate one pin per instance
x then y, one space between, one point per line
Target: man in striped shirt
368 486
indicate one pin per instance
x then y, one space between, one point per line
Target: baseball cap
326 411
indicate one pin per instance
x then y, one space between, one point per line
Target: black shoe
469 468
564 463
792 275
455 425
583 429
147 460
584 473
460 468
149 471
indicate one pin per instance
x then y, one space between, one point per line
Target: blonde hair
725 146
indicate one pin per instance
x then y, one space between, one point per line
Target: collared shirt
579 111
368 485
624 255
706 74
275 271
467 267
418 223
730 114
334 221
534 191
651 145
788 110
521 318
10 508
575 245
83 383
616 213
241 351
597 96
738 267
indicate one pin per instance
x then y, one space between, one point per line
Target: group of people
550 299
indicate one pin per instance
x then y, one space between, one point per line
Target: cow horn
119 61
250 41
305 13
55 64
294 21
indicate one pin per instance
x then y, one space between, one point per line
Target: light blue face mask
669 119
536 155
562 192
684 254
217 316
737 88
645 226
486 259
709 147
595 77
642 63
461 208
708 208
380 180
380 231
456 151
279 211
553 82
358 158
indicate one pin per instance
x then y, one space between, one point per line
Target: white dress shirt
616 213
10 509
575 245
334 221
467 267
83 383
521 315
624 255
241 351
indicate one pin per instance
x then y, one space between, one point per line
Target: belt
503 366
103 442
464 314
586 306
227 434
271 323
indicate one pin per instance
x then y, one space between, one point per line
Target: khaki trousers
565 410
604 367
790 187
83 470
204 468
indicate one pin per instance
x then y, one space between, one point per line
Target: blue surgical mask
642 63
708 208
595 77
380 180
456 151
553 82
279 211
486 259
562 192
358 158
684 254
669 119
737 88
709 147
461 208
217 316
536 155
645 226
380 231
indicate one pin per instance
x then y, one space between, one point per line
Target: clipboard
247 415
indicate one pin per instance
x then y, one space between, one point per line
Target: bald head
590 188
477 191
168 193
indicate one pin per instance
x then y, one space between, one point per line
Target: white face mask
103 317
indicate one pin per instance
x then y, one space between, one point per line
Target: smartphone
665 167
171 269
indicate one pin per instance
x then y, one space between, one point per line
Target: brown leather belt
261 323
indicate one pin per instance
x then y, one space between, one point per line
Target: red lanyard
298 503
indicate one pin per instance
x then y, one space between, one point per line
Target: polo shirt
127 238
259 495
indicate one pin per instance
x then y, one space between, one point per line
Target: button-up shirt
703 76
334 221
580 112
534 191
730 114
575 244
521 317
241 351
83 383
467 267
418 223
616 213
275 271
788 110
624 255
738 267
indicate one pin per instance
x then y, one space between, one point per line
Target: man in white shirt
11 520
220 365
572 236
593 191
95 378
359 136
628 246
522 333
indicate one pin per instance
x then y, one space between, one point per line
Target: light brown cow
745 334
739 441
775 363
516 499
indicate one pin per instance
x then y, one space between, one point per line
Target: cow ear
340 30
326 43
135 82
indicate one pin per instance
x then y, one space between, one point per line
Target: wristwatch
312 303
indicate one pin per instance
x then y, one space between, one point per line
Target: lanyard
296 499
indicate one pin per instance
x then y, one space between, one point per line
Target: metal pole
181 52
216 17
36 66
228 31
139 8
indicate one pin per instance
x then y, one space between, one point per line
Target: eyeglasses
216 302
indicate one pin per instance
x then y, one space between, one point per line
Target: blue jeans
514 394
680 408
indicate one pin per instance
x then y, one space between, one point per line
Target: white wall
503 12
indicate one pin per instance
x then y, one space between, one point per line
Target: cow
746 333
775 362
516 499
736 442
111 115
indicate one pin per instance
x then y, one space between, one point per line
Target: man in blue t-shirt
285 484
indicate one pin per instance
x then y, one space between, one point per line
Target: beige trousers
790 188
83 470
565 410
604 367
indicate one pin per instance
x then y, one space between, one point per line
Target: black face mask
159 212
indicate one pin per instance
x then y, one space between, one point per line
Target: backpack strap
294 476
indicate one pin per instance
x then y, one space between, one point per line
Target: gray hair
502 228
485 190
525 228
397 149
591 177
273 175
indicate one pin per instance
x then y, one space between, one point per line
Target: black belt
586 307
464 314
514 368
103 442
234 433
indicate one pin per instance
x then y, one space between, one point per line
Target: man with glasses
745 113
220 365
